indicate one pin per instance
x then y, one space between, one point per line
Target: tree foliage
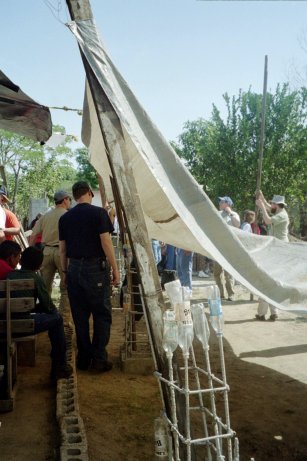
86 172
32 170
222 154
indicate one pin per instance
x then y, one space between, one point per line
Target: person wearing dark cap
48 226
232 219
11 226
87 253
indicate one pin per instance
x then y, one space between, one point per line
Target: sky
178 56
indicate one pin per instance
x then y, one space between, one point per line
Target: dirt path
29 433
266 369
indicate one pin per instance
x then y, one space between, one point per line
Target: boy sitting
45 315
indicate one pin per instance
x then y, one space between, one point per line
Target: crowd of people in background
273 220
76 243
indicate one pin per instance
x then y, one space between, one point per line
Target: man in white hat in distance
279 223
279 219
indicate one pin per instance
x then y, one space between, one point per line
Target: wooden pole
102 190
124 182
262 134
261 141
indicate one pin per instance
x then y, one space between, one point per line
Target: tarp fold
175 207
22 115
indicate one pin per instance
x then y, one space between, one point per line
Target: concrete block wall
73 436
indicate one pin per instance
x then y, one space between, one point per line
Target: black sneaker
260 317
61 372
273 317
83 364
101 367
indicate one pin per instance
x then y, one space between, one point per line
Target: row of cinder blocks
73 443
73 437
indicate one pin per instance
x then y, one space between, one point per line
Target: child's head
10 252
249 216
31 259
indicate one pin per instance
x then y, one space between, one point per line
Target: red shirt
5 269
11 221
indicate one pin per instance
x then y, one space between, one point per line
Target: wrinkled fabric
175 207
21 114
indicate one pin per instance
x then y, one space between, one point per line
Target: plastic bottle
216 312
161 439
170 332
185 327
185 336
201 326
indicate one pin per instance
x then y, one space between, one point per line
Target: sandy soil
266 369
30 431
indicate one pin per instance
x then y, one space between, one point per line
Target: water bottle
215 306
201 326
161 439
185 326
170 332
185 336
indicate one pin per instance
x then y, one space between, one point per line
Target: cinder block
73 432
66 385
66 404
69 453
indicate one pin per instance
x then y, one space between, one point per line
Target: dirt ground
266 365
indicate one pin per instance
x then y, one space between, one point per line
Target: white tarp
175 207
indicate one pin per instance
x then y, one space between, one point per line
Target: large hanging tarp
21 114
175 207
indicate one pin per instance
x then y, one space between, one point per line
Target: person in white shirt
232 219
248 220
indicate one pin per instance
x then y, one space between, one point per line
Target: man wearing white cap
48 226
279 223
279 220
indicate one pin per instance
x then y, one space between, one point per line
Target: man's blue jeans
184 267
156 249
53 323
88 286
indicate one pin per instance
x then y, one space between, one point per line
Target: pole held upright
262 134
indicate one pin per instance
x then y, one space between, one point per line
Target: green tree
32 170
222 154
86 172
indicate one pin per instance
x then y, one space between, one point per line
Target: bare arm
260 204
107 247
266 204
12 230
35 232
63 258
235 221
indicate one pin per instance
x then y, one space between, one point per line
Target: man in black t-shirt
86 252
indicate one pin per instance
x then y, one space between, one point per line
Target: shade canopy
175 207
22 115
